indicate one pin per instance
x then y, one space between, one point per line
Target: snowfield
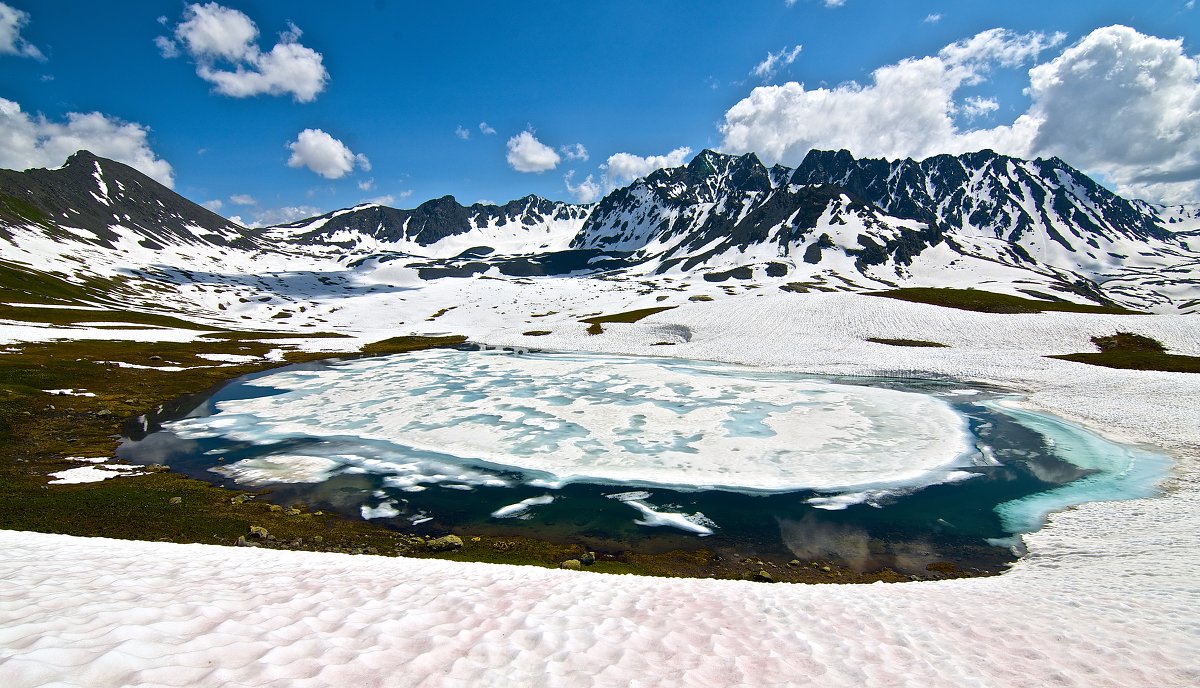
1107 596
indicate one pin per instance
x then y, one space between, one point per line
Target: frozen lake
661 453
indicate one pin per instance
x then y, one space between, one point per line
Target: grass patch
1130 351
400 345
71 316
38 430
596 322
990 302
906 342
24 285
626 317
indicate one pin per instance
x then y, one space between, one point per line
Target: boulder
444 543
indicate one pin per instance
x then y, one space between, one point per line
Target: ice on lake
449 416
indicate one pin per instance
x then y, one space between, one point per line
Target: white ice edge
786 434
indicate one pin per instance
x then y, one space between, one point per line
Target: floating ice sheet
561 418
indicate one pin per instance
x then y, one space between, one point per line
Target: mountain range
1036 227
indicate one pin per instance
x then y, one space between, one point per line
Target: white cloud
575 151
834 3
366 184
213 34
1124 104
932 18
325 155
462 133
213 205
168 48
487 130
586 191
1117 103
527 154
386 199
906 109
27 141
277 216
766 69
976 106
12 20
623 168
242 199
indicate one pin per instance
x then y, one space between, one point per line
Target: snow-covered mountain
443 227
1037 228
945 221
105 203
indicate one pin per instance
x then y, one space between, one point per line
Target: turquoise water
351 437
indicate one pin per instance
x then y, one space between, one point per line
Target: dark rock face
435 220
95 194
1007 196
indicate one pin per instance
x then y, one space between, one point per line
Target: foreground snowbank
1107 597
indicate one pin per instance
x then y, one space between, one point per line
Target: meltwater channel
614 451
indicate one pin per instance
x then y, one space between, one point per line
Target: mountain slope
442 227
932 222
104 202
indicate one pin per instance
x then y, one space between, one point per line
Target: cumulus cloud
623 168
485 129
1124 104
462 132
766 69
223 43
242 199
277 216
366 184
12 21
325 155
575 151
619 170
932 18
977 106
213 205
527 154
1117 103
585 191
35 141
906 110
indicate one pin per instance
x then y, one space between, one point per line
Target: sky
267 111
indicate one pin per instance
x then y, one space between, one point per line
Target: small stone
258 532
241 542
476 539
588 558
275 507
444 543
176 500
104 413
826 569
794 562
571 565
156 358
292 512
763 577
318 538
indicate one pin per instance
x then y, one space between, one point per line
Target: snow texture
1107 595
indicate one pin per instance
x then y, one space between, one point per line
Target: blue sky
636 78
